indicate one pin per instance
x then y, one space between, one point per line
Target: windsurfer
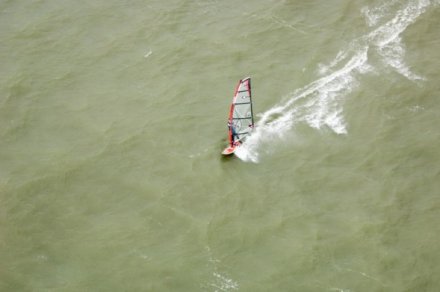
240 119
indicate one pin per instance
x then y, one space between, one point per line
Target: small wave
223 283
375 14
393 54
198 154
220 282
148 54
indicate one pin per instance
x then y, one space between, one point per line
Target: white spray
318 104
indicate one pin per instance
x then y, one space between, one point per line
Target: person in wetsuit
233 132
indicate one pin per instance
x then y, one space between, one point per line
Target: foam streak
318 104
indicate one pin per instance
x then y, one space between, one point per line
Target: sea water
112 120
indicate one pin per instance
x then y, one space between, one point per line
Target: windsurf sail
241 117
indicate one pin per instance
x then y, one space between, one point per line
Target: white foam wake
318 104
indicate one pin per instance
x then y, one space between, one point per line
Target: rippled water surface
112 120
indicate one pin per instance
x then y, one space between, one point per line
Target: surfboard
229 150
241 117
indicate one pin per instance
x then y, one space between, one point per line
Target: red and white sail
240 115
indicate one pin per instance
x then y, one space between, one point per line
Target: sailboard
241 117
